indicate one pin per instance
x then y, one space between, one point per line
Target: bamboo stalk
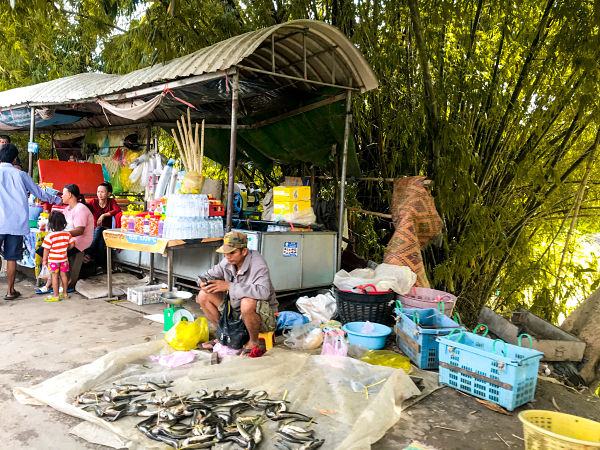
181 154
184 146
202 148
197 147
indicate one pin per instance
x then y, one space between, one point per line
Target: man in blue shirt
14 212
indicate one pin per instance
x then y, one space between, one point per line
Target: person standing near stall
14 212
4 139
103 208
80 223
244 275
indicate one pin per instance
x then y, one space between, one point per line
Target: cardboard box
284 194
280 208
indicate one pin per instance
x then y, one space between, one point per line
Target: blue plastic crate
416 330
490 369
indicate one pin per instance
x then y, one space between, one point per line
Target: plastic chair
268 338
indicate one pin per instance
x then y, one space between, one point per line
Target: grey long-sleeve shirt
252 280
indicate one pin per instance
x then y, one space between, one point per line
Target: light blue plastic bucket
373 341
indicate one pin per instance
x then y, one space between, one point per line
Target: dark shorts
12 247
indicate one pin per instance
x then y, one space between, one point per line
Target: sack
185 335
231 333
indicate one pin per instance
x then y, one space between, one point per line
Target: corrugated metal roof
326 48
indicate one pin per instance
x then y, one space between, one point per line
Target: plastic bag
386 276
387 358
334 343
287 319
321 308
105 148
116 181
186 335
105 173
231 331
192 183
304 337
175 359
44 272
125 181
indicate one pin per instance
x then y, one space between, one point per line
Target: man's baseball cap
232 241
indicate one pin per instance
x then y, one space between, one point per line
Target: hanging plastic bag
105 173
186 335
231 330
125 181
116 181
387 358
105 147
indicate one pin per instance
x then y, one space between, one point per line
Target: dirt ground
41 340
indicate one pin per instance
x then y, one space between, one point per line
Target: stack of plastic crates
490 369
416 330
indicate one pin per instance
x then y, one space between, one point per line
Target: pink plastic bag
334 343
174 359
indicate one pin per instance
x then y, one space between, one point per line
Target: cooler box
85 175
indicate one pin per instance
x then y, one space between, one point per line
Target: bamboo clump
191 150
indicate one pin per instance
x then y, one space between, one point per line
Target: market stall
277 95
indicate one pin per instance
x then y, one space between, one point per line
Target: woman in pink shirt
80 223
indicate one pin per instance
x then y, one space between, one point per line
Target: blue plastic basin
35 211
374 341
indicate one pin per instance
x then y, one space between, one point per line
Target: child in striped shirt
56 244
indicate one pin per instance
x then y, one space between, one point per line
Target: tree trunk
583 323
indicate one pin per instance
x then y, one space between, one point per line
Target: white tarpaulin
133 110
334 385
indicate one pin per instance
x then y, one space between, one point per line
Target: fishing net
354 403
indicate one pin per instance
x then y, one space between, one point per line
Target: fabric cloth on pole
133 110
417 222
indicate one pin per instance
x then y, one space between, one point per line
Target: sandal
254 352
15 295
208 345
43 290
63 296
51 298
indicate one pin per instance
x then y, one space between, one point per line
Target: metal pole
31 130
52 145
343 180
232 147
170 268
109 270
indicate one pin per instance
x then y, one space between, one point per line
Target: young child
56 244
